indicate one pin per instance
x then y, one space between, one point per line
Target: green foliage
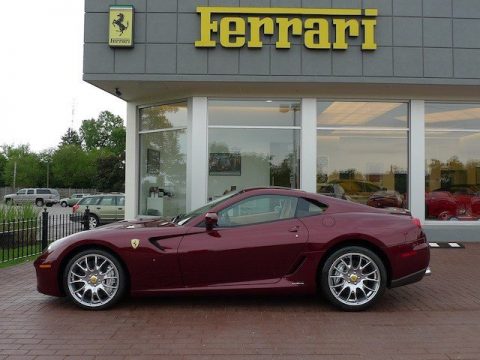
71 137
106 132
12 213
110 173
73 167
28 166
3 164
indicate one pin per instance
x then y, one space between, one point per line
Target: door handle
99 208
293 229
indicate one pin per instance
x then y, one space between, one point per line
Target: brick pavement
438 318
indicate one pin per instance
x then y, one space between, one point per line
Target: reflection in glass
241 158
163 161
253 113
452 116
362 114
369 167
163 117
453 175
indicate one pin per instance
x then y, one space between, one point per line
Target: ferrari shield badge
135 243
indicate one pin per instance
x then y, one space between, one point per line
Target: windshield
182 219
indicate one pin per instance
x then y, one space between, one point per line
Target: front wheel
63 204
94 279
353 278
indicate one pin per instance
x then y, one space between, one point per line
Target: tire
39 202
94 279
93 221
8 202
64 204
349 287
49 204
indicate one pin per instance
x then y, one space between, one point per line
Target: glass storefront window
242 156
163 160
253 113
452 147
369 163
163 117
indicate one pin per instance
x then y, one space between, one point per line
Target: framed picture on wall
225 164
153 162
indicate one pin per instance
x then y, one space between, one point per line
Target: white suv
37 196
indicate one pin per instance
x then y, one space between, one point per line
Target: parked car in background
72 200
333 190
386 199
260 240
456 202
103 208
37 196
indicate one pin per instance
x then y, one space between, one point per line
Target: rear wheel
64 204
353 278
8 201
39 202
93 221
94 279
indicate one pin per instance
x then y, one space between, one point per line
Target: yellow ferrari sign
120 32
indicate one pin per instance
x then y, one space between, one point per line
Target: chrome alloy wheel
92 222
354 279
93 280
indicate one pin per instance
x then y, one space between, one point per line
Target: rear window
108 201
89 201
309 207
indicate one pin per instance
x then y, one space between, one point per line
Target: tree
27 164
110 174
71 137
106 132
72 167
3 164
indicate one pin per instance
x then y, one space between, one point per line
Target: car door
29 197
258 239
20 196
107 208
120 214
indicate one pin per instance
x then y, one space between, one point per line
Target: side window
121 200
30 192
43 191
258 209
108 201
308 207
22 192
89 201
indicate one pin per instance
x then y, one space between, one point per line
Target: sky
41 55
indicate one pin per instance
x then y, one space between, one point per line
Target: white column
416 191
197 152
132 163
308 148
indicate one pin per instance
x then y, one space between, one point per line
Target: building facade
376 101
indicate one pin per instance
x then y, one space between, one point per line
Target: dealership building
377 101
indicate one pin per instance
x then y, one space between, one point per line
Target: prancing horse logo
119 23
135 243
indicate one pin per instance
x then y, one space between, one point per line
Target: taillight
75 208
417 222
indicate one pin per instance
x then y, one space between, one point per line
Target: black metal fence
24 238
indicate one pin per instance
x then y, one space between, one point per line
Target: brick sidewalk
438 318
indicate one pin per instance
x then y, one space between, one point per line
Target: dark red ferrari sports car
262 240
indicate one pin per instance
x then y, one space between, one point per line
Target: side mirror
211 220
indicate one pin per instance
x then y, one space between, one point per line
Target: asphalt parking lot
438 318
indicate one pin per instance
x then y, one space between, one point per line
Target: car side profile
72 200
103 208
37 196
261 240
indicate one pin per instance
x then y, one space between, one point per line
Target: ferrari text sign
235 27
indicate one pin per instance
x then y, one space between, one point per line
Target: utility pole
48 174
15 176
